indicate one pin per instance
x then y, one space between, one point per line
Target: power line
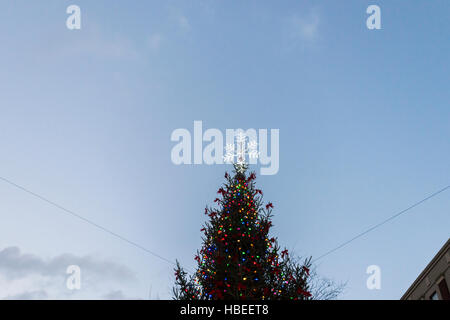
173 263
88 221
381 223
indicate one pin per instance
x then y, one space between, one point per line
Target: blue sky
86 119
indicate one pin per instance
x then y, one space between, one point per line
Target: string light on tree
238 258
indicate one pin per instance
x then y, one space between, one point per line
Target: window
434 296
444 290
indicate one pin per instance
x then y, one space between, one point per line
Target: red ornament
241 286
267 227
303 292
306 270
213 214
269 205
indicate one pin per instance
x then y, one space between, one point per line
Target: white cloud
29 295
115 295
305 27
154 41
183 22
27 276
180 19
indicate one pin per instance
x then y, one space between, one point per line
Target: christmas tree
238 259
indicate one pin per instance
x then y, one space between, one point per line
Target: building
433 282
